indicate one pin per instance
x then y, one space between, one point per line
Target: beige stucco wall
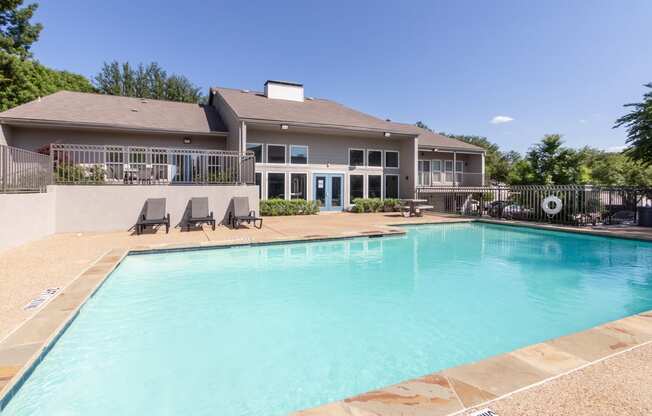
31 138
108 208
329 153
4 134
25 217
28 217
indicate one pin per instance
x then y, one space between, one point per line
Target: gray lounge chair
241 213
154 215
199 213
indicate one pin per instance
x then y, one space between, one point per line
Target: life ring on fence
551 210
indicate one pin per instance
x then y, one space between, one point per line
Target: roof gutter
26 122
327 126
451 149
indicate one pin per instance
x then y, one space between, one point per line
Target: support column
454 168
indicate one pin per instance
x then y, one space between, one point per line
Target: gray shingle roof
98 110
430 139
254 105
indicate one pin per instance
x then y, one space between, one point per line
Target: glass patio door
328 191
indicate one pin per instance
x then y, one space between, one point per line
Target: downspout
483 182
242 145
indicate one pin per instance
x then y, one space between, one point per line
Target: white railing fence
126 165
23 171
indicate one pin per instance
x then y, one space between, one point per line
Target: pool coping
446 392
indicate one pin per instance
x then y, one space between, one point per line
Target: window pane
259 182
356 157
375 158
299 155
424 172
298 183
391 159
258 151
320 190
356 188
336 191
275 154
391 186
375 186
276 185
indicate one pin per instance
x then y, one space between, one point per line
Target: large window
356 187
276 185
298 186
375 158
391 186
259 182
435 167
459 169
298 155
375 186
448 169
391 159
275 153
424 173
258 151
356 157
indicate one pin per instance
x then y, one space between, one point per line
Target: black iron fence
23 171
560 204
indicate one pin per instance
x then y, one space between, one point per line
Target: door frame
328 197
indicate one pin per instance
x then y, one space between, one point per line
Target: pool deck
567 375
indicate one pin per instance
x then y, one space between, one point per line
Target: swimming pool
270 329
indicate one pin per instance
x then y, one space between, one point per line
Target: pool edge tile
58 319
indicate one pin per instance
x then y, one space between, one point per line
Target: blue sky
551 66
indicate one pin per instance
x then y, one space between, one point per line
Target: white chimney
283 90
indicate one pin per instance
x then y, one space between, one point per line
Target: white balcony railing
125 165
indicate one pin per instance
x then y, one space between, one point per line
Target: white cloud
616 149
501 120
582 121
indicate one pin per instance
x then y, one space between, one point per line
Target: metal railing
571 204
23 171
78 164
436 178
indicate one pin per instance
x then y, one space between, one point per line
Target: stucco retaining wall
25 217
72 208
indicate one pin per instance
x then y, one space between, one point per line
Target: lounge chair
241 213
154 215
199 213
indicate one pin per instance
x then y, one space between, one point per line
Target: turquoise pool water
270 329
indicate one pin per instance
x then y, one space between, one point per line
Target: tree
497 164
616 169
16 32
420 124
150 81
639 129
553 164
24 80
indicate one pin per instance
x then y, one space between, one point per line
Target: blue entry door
328 191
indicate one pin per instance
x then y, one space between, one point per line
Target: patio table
412 206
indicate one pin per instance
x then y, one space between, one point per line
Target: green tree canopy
145 81
551 163
639 129
24 80
16 32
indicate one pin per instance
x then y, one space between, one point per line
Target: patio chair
199 213
241 213
154 215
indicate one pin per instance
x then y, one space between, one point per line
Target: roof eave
326 126
26 122
449 148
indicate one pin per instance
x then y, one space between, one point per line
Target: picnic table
413 207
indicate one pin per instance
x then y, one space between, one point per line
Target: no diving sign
484 412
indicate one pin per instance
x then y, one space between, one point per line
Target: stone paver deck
537 379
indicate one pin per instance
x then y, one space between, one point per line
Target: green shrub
276 207
372 204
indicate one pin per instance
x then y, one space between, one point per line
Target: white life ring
554 210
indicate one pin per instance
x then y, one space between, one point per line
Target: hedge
275 207
374 204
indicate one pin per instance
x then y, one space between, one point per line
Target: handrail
75 164
23 171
